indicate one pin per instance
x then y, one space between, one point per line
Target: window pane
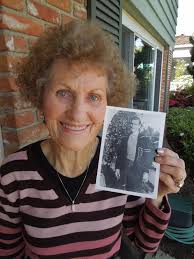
144 56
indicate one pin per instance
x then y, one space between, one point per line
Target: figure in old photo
126 151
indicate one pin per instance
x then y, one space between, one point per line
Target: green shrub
180 134
190 89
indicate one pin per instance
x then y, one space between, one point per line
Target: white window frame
139 31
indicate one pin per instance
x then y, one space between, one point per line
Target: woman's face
74 103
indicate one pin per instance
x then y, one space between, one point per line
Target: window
144 63
143 55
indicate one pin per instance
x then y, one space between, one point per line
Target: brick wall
168 79
22 21
165 83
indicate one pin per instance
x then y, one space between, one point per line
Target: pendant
73 206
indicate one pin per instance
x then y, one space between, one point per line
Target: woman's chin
75 143
75 140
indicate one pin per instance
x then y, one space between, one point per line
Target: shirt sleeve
144 223
11 239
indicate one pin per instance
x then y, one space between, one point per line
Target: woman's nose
78 110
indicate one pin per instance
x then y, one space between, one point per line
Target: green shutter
108 14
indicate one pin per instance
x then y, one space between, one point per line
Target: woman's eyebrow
62 84
97 89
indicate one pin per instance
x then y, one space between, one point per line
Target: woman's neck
67 162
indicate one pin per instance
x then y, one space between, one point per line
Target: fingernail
160 151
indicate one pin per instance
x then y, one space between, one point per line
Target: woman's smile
74 129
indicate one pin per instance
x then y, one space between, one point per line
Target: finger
166 151
169 160
169 183
175 172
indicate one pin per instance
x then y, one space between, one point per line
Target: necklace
83 181
70 198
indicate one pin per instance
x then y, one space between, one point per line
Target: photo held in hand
129 142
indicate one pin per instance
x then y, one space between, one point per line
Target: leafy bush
190 89
180 134
181 82
183 98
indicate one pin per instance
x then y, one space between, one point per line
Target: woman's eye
64 93
94 98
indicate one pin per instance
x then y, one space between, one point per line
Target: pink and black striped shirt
36 219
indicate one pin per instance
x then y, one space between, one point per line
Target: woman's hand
172 172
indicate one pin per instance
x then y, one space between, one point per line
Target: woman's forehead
77 76
75 68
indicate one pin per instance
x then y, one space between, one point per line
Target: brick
79 11
10 148
8 84
13 139
32 134
9 137
2 43
17 120
13 103
165 81
8 62
13 43
48 26
19 103
10 141
64 5
20 44
4 65
43 12
6 103
39 115
14 4
66 19
20 24
31 42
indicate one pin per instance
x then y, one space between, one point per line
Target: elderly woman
49 205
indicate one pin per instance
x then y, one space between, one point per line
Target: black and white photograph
129 141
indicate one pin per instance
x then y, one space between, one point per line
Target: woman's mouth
74 128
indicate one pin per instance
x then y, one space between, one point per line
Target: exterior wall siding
159 17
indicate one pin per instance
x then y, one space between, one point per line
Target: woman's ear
41 116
